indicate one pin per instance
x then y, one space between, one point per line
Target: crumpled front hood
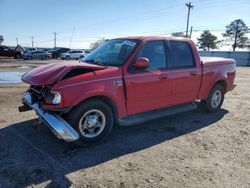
51 73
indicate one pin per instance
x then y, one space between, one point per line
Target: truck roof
144 38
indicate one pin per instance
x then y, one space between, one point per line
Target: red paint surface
141 91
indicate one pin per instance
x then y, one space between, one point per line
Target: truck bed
207 61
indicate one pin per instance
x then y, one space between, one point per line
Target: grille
36 92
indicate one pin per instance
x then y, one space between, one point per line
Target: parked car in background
87 52
73 54
126 81
46 49
57 51
37 55
8 52
27 50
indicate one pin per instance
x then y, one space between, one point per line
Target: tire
81 57
29 58
215 99
67 57
83 118
55 56
17 56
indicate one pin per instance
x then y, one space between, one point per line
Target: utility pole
55 39
32 42
71 37
191 31
189 5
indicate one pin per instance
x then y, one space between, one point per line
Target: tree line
234 35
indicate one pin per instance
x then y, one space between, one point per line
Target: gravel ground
193 149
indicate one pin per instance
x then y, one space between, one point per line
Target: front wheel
93 120
54 56
215 99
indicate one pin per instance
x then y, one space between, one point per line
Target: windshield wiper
96 62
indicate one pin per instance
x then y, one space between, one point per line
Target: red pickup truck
125 81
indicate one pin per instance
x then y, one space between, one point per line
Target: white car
73 54
29 50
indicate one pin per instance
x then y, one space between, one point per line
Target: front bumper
58 125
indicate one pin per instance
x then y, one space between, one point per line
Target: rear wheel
67 57
215 99
93 120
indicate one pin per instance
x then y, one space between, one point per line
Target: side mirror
141 63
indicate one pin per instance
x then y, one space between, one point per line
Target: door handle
163 77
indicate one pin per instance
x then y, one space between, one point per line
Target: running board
155 114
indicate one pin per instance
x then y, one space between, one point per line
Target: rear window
181 54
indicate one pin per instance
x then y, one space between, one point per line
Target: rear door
147 90
78 54
73 54
36 55
186 74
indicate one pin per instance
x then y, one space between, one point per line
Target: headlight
57 98
51 97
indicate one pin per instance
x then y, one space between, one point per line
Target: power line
189 5
44 41
136 15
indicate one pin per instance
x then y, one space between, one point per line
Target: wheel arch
106 100
208 82
221 82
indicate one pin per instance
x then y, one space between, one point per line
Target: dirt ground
193 149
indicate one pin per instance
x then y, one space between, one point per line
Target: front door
148 89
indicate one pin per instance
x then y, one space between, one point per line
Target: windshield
112 52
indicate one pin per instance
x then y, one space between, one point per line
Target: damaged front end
57 124
48 103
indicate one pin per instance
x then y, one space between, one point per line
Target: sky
80 22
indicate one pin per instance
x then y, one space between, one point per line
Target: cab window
181 54
154 51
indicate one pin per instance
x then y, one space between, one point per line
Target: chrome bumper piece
58 125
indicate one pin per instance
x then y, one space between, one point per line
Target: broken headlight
52 97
